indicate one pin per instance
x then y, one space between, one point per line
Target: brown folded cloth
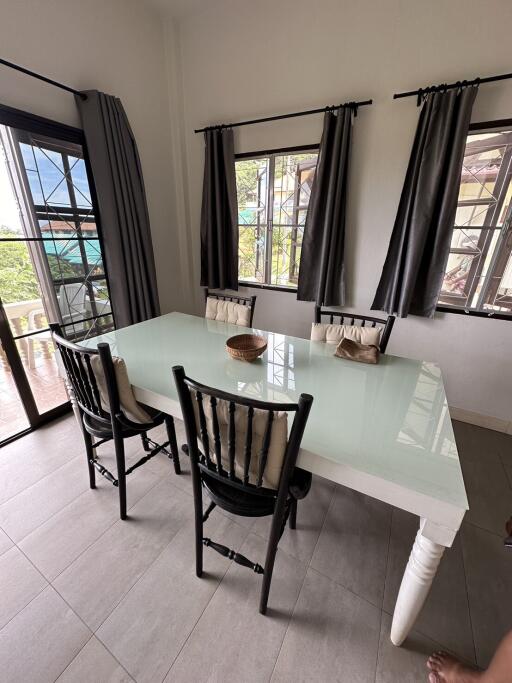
362 353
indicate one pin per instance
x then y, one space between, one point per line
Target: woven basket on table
246 346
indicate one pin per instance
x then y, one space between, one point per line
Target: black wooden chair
233 470
249 301
112 424
351 318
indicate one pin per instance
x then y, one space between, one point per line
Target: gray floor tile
27 460
477 443
5 542
445 615
95 583
41 640
20 515
333 636
353 546
162 465
301 542
488 489
489 578
59 541
148 628
94 663
232 637
405 664
20 582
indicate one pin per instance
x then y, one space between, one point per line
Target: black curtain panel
322 269
420 243
117 173
219 223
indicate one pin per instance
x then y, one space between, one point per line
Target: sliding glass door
51 267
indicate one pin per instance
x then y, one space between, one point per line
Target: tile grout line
94 632
467 598
384 592
136 582
87 488
230 564
39 481
115 521
488 531
308 566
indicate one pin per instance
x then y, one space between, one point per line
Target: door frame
16 118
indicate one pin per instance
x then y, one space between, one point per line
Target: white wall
242 60
112 45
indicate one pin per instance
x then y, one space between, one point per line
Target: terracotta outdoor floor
47 387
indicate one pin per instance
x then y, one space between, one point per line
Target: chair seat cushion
333 334
130 407
227 312
238 502
103 429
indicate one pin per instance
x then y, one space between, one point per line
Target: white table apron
440 507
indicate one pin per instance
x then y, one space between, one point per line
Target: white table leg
418 576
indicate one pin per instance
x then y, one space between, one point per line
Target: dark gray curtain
122 206
418 251
219 222
322 270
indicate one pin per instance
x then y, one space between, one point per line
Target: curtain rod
353 105
449 86
17 67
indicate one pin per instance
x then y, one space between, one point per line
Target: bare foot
446 669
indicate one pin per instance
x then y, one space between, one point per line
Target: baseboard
480 420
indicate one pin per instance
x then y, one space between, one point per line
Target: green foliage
17 278
286 237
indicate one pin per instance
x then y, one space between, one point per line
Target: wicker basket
246 346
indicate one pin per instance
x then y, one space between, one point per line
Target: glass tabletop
390 420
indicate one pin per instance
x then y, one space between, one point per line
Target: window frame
481 127
63 133
259 155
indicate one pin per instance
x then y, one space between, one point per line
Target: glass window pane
13 418
64 258
473 278
457 273
252 192
467 239
293 180
474 214
80 182
37 353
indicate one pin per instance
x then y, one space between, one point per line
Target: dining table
383 430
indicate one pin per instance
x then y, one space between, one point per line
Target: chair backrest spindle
248 444
231 440
253 459
263 456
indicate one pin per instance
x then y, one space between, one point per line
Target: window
58 225
478 275
51 264
273 195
